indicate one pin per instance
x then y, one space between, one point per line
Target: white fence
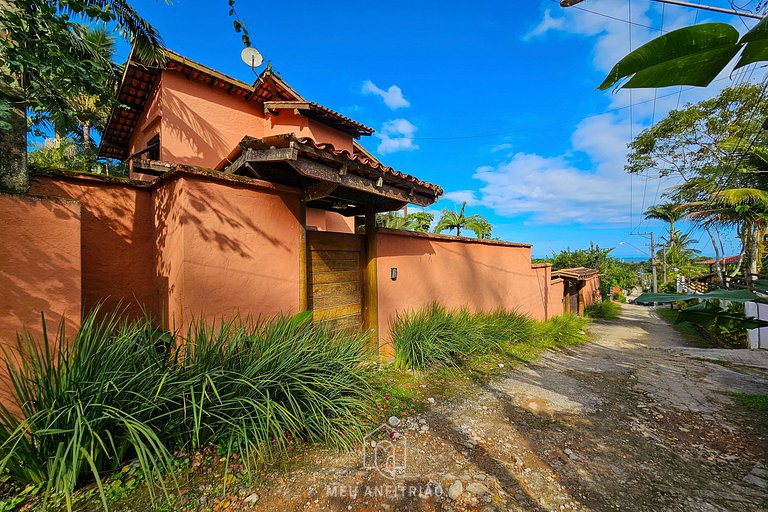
758 338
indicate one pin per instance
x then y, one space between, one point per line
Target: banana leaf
711 315
692 55
687 56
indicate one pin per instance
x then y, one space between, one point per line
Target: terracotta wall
187 245
224 247
322 220
39 269
481 275
590 291
556 297
117 237
200 125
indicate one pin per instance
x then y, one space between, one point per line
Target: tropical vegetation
123 390
436 335
453 220
55 62
614 273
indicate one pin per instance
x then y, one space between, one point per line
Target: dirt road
636 420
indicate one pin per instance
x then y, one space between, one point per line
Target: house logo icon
385 450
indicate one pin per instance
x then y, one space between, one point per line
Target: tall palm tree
451 220
46 55
668 212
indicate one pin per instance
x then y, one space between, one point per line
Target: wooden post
371 296
303 283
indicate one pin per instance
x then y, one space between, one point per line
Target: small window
153 148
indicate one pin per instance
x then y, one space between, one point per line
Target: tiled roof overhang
328 174
578 273
320 113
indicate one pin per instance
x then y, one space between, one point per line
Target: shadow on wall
39 271
205 143
232 217
117 242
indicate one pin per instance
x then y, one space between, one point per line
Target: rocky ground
636 420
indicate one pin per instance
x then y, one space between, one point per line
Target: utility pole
654 283
664 263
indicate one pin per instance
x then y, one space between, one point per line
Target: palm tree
746 209
668 212
452 220
46 59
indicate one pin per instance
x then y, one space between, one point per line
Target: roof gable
139 82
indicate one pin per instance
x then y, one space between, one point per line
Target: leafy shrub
620 297
605 309
435 335
121 390
668 287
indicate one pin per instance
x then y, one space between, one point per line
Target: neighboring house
242 198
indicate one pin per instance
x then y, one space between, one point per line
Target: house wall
200 125
479 274
322 220
117 235
40 266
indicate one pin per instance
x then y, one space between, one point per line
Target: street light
746 14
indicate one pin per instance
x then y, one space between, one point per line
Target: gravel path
635 420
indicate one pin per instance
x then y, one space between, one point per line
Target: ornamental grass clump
435 335
256 388
563 330
87 406
122 390
605 310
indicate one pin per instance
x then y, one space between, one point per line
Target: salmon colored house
243 198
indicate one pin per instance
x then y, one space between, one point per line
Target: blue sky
495 101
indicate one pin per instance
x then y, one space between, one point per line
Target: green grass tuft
436 335
756 403
605 310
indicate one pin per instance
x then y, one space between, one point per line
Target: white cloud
463 196
393 96
587 183
396 135
501 147
546 24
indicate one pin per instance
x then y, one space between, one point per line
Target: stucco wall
39 269
117 238
200 125
322 220
556 295
590 291
481 275
226 247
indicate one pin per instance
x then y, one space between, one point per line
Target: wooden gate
335 275
572 297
